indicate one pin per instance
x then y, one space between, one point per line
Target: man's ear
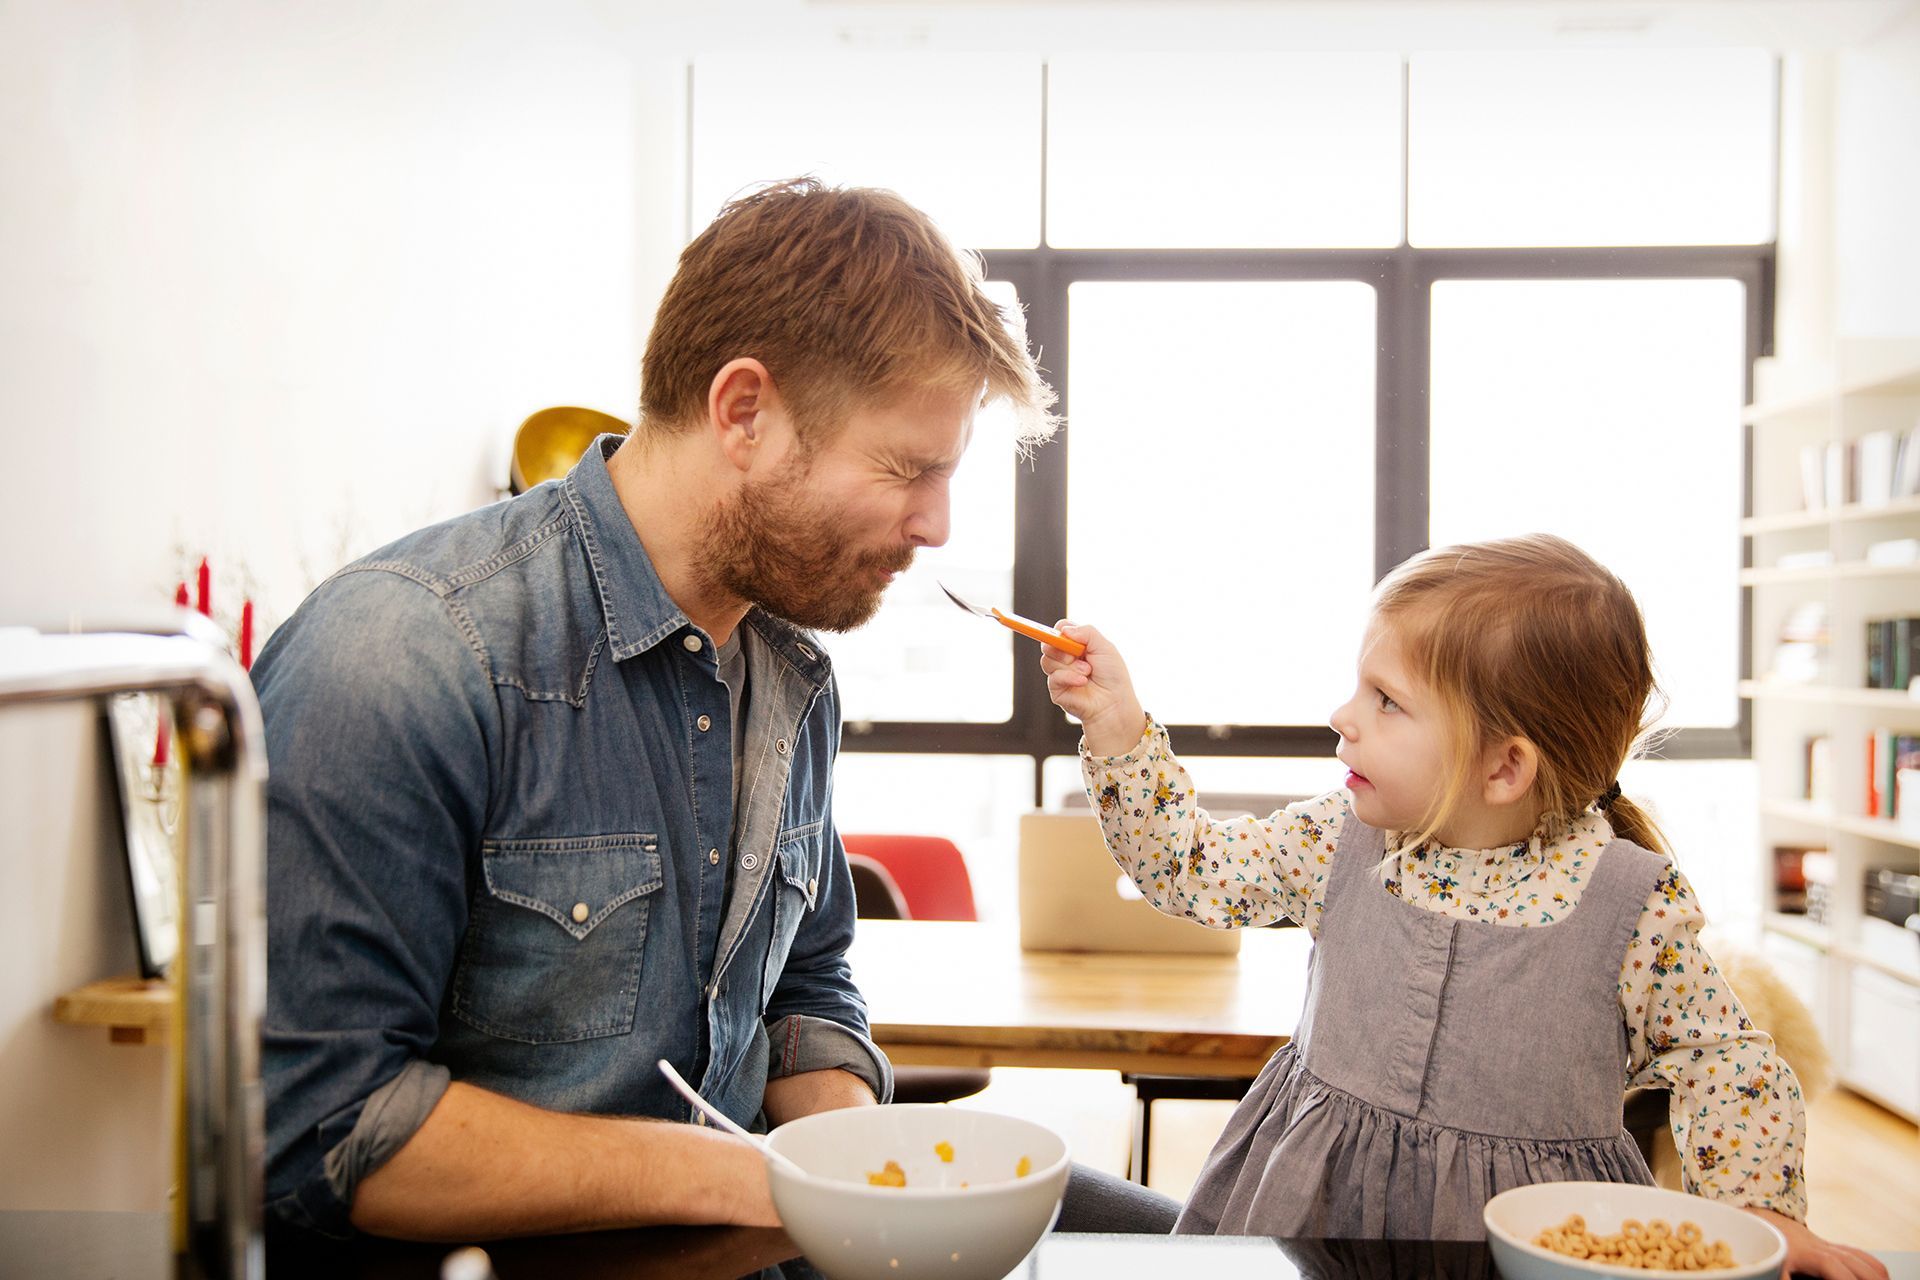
739 401
1510 768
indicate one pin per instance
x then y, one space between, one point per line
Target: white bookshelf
1860 976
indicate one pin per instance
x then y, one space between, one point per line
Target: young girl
1501 944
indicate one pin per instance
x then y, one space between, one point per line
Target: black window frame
1402 279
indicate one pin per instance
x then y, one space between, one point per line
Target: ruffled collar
1555 844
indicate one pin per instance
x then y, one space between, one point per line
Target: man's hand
791 1097
1096 690
1808 1254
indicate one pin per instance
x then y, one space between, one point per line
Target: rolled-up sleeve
378 717
798 1043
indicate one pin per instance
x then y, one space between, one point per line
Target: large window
1307 315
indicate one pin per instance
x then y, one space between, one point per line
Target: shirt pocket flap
577 882
801 850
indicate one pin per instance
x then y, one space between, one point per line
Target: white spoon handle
720 1117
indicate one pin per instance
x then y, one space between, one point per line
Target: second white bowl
1515 1217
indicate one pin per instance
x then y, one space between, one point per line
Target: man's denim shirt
498 843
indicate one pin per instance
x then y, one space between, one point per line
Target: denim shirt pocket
554 938
799 853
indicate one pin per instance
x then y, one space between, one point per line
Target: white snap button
813 887
713 856
693 643
780 745
750 861
704 723
580 913
809 652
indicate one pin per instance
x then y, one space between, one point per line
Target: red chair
915 878
930 873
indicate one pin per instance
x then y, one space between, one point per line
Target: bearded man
550 783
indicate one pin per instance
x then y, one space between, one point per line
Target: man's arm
484 1165
790 1097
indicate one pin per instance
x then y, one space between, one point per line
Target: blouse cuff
1148 744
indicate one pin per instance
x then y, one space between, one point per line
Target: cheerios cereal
945 1151
1650 1246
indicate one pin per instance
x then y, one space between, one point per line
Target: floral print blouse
1736 1112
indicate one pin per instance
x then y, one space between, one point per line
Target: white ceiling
1058 25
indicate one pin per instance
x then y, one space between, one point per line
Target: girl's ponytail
1630 822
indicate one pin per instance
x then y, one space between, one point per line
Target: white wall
277 282
83 1123
1876 194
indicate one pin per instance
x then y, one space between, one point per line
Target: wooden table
966 995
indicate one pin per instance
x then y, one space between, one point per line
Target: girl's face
1392 738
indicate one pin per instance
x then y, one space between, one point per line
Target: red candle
204 602
246 636
160 744
180 595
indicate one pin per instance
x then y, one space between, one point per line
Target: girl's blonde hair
1532 638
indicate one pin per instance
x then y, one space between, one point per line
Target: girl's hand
1096 690
1808 1254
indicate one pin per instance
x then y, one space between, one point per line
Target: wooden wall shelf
133 1010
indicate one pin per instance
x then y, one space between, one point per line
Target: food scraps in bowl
892 1175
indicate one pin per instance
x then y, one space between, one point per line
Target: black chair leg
1142 1139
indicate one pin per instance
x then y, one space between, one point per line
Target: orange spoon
1025 626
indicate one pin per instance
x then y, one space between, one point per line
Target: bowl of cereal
1574 1230
916 1190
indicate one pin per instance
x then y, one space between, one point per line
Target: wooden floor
1863 1162
1863 1173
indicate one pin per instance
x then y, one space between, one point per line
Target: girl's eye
1386 703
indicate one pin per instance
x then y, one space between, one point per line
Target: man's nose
932 521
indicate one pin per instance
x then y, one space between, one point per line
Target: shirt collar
1485 871
639 613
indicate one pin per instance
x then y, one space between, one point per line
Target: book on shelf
1872 471
1893 768
1837 480
1790 863
1906 464
1874 459
1819 872
1893 653
1819 771
1813 483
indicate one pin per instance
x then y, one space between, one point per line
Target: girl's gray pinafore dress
1438 1062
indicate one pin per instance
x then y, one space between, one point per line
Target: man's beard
775 547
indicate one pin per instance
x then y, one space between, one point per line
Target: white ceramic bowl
933 1226
1515 1217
